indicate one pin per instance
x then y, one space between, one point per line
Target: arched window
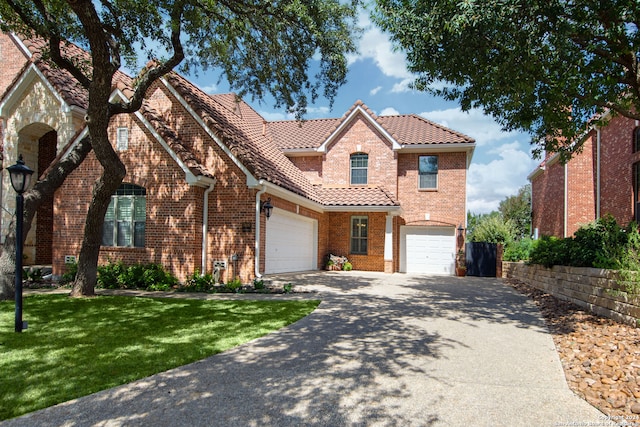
125 220
359 165
636 139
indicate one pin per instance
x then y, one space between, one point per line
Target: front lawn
75 347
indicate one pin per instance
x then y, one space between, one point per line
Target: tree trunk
105 186
51 179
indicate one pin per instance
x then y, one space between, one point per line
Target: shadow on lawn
351 362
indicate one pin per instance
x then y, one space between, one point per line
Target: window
125 220
359 234
428 172
122 142
359 164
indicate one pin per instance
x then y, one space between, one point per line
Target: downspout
598 173
566 199
257 240
205 228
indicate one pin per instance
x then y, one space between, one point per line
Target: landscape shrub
150 277
601 244
198 283
518 250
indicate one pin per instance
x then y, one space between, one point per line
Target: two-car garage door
291 243
428 250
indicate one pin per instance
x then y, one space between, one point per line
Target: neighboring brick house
387 192
602 179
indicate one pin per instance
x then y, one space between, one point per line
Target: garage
291 243
427 250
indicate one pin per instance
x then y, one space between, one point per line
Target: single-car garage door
429 250
291 243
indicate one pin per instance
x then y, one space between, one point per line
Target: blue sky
378 77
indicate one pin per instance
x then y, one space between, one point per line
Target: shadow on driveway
387 350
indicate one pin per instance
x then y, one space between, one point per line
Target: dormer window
359 166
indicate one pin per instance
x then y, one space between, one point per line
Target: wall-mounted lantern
266 207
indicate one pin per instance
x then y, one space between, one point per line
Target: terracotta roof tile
405 129
356 196
244 132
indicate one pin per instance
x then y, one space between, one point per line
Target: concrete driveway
381 350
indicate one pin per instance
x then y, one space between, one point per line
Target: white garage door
429 250
291 243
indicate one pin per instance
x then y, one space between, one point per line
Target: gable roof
403 130
243 132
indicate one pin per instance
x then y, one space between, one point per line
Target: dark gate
481 259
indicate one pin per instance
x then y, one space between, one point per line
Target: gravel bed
600 357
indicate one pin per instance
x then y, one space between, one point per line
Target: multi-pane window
359 234
125 220
359 165
428 172
122 139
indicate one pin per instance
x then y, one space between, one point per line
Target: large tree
547 67
517 209
262 47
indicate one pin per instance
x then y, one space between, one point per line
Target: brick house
602 179
387 192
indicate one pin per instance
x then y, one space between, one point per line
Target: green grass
75 347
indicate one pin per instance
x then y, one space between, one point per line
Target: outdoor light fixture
266 207
20 178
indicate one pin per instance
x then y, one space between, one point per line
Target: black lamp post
20 177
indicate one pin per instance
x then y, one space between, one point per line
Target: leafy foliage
550 68
602 244
493 229
519 249
517 209
150 277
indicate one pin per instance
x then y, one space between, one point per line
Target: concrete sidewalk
381 350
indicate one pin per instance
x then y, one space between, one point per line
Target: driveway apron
381 350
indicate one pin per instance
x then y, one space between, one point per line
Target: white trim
27 78
291 196
348 120
388 238
205 228
251 180
257 239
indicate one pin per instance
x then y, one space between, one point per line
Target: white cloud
375 90
402 86
389 111
376 46
474 123
210 89
272 116
490 183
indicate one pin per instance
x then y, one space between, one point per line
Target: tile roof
409 129
258 145
356 196
244 132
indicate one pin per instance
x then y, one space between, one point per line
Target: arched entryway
38 144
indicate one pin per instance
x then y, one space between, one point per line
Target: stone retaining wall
594 289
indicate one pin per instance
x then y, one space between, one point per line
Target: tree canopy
262 47
517 209
551 68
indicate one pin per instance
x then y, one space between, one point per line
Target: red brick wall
311 167
617 169
44 219
616 182
548 201
12 61
447 203
340 239
382 167
581 188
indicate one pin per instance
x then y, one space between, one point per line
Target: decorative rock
635 408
